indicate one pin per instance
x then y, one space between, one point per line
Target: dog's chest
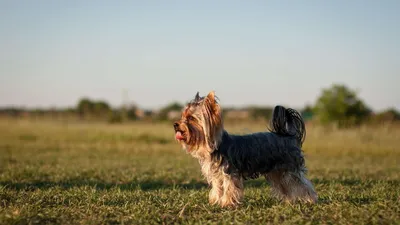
208 169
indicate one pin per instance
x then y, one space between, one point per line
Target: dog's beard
196 140
191 136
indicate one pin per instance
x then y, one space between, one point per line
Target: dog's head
200 125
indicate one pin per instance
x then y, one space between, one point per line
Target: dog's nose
176 125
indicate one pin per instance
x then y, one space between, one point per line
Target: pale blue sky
249 52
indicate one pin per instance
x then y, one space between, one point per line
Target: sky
52 53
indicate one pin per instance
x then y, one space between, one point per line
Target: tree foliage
387 116
307 112
87 107
338 104
174 106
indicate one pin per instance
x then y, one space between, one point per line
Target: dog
227 160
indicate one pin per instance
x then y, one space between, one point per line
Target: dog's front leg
232 191
216 191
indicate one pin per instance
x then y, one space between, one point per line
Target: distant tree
101 108
115 117
131 112
84 107
163 114
87 107
307 112
69 110
387 116
341 105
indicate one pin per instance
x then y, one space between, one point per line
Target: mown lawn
59 173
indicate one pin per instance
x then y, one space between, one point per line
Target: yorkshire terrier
227 160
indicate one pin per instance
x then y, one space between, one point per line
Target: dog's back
257 154
260 153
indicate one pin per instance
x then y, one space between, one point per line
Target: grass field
58 173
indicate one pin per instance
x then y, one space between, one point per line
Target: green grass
58 173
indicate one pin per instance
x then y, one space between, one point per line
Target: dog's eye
190 118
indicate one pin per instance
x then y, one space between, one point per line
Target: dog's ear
211 97
214 118
211 102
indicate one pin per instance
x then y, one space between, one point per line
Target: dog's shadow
100 185
148 185
151 185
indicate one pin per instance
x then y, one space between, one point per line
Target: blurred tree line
90 109
337 104
87 108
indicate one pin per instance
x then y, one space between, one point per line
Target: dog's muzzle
176 126
178 132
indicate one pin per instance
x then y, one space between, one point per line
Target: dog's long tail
288 122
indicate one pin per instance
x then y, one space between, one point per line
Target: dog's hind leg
306 189
290 187
278 190
299 187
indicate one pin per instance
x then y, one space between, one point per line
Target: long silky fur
250 156
226 159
